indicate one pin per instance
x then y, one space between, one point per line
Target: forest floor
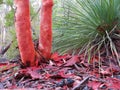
65 72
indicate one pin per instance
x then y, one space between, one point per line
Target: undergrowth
87 26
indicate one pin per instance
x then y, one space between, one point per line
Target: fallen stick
3 51
82 84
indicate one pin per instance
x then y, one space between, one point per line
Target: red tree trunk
24 36
45 38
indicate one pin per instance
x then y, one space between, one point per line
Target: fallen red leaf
60 59
47 76
113 83
72 61
39 86
33 72
94 84
56 57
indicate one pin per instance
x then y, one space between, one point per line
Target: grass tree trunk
24 36
45 38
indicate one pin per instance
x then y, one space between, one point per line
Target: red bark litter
72 61
45 38
113 83
77 75
24 36
94 84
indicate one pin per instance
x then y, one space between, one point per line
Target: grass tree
89 26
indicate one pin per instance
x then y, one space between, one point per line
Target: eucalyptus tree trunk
24 37
45 38
23 32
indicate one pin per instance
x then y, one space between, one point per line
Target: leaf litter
66 72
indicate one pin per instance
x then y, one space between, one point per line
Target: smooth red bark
45 38
23 32
24 36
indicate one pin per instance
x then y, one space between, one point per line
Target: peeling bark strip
45 38
24 36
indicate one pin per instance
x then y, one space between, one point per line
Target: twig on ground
82 84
